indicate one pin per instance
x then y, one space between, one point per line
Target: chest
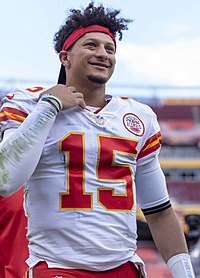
100 136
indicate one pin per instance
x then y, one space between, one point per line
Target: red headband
79 32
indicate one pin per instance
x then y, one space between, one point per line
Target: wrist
53 100
180 266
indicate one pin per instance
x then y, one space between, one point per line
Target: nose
101 52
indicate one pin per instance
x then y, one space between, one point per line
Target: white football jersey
81 199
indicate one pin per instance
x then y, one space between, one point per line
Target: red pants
127 270
13 242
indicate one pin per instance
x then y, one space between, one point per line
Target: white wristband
180 266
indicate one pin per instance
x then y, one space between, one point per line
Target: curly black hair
91 15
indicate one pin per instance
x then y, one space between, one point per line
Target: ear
64 58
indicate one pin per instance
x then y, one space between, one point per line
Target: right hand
67 95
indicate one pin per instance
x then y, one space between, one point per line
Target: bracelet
53 100
180 266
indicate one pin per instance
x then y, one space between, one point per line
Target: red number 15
75 197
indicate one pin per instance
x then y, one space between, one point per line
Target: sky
158 56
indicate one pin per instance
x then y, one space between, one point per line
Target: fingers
69 96
82 103
79 99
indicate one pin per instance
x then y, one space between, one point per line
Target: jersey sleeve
16 106
152 194
21 148
151 142
24 126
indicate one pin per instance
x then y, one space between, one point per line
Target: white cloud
174 63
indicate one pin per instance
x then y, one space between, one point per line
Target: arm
20 151
170 241
162 220
167 233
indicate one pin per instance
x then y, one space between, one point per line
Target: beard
97 79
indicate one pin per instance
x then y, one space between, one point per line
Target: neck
93 95
95 101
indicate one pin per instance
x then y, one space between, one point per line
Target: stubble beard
97 79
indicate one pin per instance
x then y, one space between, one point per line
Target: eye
110 49
90 44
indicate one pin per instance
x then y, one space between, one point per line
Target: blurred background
158 63
158 56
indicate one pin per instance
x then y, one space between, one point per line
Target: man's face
92 58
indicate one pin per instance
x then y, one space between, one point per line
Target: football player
86 158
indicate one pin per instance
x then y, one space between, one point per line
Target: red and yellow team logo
133 124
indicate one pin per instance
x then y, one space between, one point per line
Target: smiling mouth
100 65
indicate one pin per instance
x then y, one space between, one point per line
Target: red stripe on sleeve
8 113
151 145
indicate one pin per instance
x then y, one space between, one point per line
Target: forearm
170 241
167 233
20 152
